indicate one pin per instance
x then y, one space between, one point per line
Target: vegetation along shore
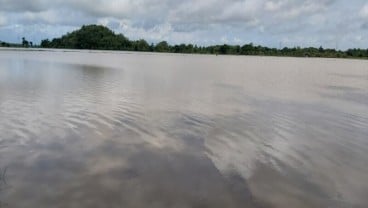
97 37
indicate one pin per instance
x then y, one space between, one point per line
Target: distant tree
25 42
162 46
141 45
151 47
90 37
100 37
45 43
247 49
321 50
224 49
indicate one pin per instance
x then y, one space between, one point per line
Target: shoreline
68 50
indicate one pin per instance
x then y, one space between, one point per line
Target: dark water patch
357 97
347 94
342 88
350 76
112 174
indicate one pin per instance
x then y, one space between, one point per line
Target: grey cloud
55 17
21 5
219 11
365 26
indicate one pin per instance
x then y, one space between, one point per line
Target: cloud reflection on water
152 133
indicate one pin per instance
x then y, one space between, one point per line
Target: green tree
25 42
141 45
45 43
162 46
100 37
247 49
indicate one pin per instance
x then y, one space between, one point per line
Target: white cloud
364 11
203 22
273 5
3 20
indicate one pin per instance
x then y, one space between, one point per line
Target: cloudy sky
330 23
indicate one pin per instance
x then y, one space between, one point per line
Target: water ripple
111 129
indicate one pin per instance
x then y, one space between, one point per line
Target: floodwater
114 129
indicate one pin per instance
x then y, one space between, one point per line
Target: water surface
117 129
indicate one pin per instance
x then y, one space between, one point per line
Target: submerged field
116 129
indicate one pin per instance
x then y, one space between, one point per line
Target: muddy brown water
117 129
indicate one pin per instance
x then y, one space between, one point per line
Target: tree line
25 44
102 38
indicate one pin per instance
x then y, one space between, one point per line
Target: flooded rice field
116 129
